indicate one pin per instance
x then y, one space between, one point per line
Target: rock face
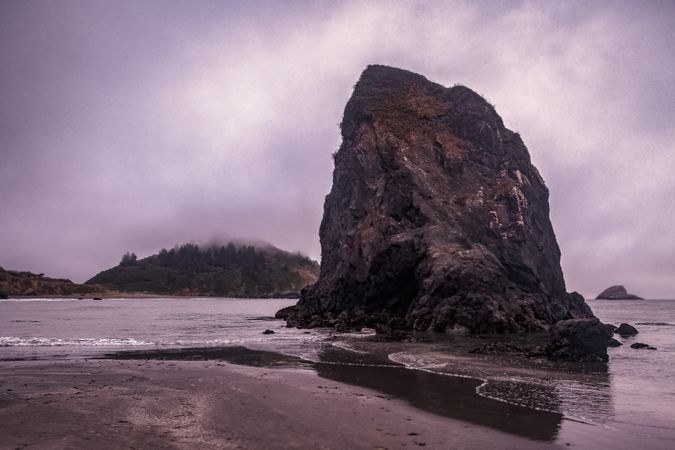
437 220
581 340
617 293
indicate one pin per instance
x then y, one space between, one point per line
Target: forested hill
219 270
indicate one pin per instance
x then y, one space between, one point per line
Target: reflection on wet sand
444 395
580 391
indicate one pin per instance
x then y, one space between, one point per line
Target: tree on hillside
129 259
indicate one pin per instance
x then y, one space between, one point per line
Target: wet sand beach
204 374
196 404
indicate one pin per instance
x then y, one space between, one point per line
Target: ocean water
71 329
626 403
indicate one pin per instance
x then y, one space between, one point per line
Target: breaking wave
11 341
34 341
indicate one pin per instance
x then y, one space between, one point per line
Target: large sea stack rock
437 219
617 293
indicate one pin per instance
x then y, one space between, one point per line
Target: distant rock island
617 293
230 270
28 284
437 219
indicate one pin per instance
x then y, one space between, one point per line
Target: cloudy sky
136 125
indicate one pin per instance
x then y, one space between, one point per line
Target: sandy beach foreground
207 404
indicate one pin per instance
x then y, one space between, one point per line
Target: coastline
212 404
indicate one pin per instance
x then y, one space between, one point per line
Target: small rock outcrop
580 340
626 330
437 219
640 345
617 293
614 343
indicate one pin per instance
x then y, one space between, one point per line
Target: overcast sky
137 125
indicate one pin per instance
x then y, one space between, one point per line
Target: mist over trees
191 255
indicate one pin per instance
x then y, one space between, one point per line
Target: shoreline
237 397
211 404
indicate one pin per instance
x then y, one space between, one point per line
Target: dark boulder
268 332
626 330
581 340
436 220
614 343
639 345
617 293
